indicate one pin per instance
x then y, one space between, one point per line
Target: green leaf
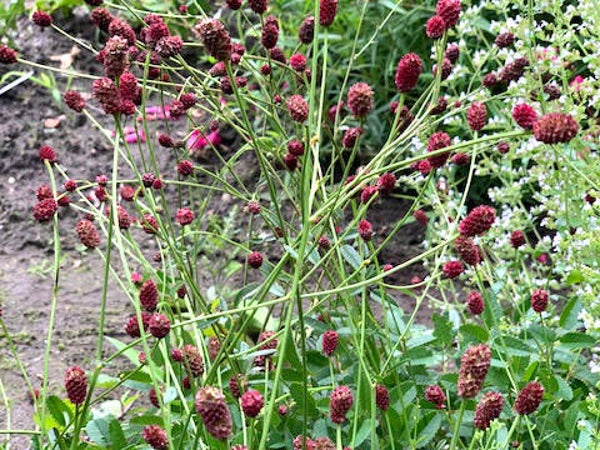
363 432
515 347
60 410
474 332
430 430
130 353
351 256
297 393
577 340
564 391
98 431
575 277
117 437
568 318
442 329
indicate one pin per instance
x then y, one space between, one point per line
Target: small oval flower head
386 183
449 10
477 116
298 62
88 234
539 300
270 33
503 148
155 437
529 398
327 12
467 250
504 40
185 216
367 193
421 217
435 395
76 384
132 326
47 153
192 360
236 384
382 397
212 408
255 260
351 136
408 71
7 55
234 4
360 99
149 296
295 148
435 27
453 269
452 53
159 325
215 38
524 115
340 402
258 6
488 409
474 366
45 209
478 221
475 303
438 141
41 19
303 443
298 108
74 100
330 342
306 32
252 402
517 239
555 128
365 230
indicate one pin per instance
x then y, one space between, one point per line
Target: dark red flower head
215 38
435 395
438 141
41 19
159 325
298 108
475 303
524 115
298 62
192 360
212 408
258 6
88 234
155 437
452 53
408 72
340 402
184 216
327 12
149 296
554 128
478 221
7 55
270 32
449 10
435 27
330 342
539 300
382 397
476 116
74 100
529 398
488 409
351 136
365 230
252 402
517 239
360 99
467 250
47 153
474 366
386 183
255 260
76 384
504 40
453 269
306 33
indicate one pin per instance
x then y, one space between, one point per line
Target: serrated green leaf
475 332
577 340
442 329
569 317
363 432
60 410
351 256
